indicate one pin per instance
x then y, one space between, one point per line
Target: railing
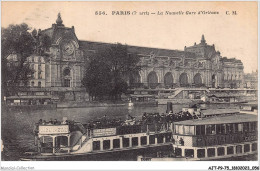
52 150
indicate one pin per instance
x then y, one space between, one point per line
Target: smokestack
169 107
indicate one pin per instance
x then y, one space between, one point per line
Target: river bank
74 104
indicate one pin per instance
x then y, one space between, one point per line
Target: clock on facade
67 48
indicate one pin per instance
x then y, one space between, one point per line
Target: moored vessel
226 136
69 140
191 134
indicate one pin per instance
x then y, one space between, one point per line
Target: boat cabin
249 107
215 136
58 137
142 99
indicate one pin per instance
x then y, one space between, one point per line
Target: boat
69 140
191 134
25 103
215 136
142 100
249 108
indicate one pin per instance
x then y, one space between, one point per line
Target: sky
232 35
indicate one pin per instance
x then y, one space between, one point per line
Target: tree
97 79
108 70
17 44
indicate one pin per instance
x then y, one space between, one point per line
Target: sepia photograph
129 81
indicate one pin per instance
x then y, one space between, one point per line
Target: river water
17 127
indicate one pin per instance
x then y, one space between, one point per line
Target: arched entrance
213 81
135 78
67 77
152 80
168 79
183 80
197 80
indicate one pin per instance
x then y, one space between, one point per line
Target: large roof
219 111
234 118
90 45
56 32
234 60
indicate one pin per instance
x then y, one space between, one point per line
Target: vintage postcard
129 81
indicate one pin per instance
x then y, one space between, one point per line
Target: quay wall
87 104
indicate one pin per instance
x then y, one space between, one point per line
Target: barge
191 134
69 140
226 136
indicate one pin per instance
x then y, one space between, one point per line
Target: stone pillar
69 143
121 142
139 141
53 145
92 149
242 150
101 145
164 139
144 78
225 150
58 76
216 151
206 153
130 141
148 140
195 153
183 152
234 148
111 144
250 148
155 142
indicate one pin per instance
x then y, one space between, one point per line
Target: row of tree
18 43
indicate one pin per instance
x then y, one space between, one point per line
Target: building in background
251 80
199 65
59 74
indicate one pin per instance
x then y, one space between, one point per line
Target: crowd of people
52 122
147 119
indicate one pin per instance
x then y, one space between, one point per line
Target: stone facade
251 80
199 65
37 64
63 64
233 74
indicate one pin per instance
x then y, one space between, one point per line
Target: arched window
39 84
66 72
67 77
32 83
135 78
197 80
168 79
183 80
152 79
213 81
66 82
